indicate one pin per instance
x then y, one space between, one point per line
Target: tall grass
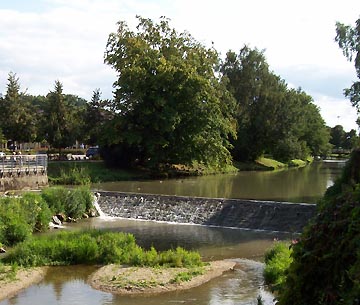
95 247
277 262
32 212
77 173
21 216
70 202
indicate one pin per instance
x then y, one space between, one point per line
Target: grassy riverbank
85 172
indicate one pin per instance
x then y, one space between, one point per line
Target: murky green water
67 285
295 185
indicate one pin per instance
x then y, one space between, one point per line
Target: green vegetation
270 163
95 247
348 38
176 102
69 202
326 260
22 216
8 273
277 262
77 173
271 118
170 106
186 276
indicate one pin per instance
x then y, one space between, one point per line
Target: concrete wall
247 214
23 181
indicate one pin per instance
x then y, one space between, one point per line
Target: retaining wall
23 181
247 214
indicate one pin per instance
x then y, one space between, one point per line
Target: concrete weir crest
231 213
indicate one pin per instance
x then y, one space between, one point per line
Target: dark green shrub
326 261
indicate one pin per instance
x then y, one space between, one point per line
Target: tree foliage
342 139
170 106
17 120
271 118
348 38
326 260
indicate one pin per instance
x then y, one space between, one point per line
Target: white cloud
65 40
337 112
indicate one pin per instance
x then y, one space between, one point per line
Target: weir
230 213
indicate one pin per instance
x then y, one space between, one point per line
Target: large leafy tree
271 118
170 106
17 119
348 38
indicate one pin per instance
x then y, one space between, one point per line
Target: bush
21 216
55 198
326 261
93 247
71 202
277 262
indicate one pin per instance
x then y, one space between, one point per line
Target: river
306 184
67 285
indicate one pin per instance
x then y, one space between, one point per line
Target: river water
305 184
67 285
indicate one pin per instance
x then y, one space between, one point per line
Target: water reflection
67 285
306 184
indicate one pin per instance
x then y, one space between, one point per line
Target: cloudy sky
47 40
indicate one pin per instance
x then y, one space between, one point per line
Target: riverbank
122 280
22 279
83 172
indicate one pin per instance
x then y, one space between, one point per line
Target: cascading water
102 215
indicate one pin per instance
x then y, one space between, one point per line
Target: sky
47 40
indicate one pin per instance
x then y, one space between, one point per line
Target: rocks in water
56 220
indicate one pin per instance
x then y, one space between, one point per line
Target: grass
277 262
297 163
95 247
270 163
8 273
74 172
186 276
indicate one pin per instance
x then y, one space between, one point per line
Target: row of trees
175 101
58 119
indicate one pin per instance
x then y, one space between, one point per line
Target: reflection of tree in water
62 275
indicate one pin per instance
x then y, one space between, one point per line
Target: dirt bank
138 280
23 279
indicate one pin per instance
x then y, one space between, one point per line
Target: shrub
326 261
55 198
20 216
71 202
92 247
38 211
277 262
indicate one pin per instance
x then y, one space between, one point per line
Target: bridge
19 172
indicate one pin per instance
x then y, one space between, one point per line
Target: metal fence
23 163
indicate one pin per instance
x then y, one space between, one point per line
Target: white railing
23 164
